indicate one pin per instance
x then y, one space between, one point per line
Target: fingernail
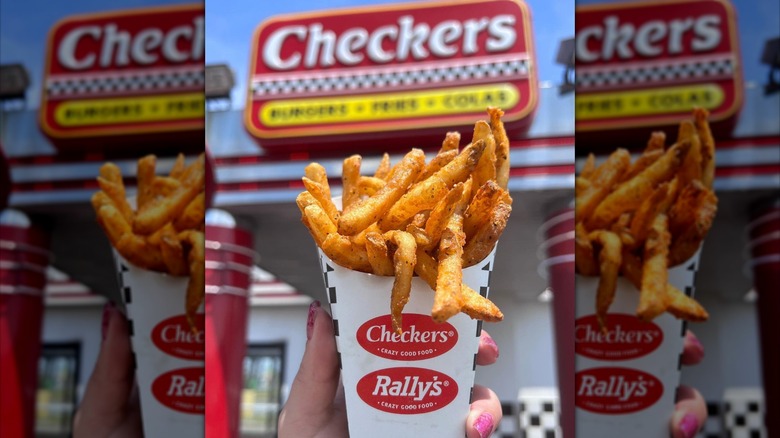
108 310
484 425
689 426
492 344
312 316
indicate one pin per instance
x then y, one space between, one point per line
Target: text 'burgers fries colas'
642 65
133 78
165 231
640 218
431 219
325 79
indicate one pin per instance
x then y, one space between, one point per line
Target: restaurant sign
646 64
378 75
116 77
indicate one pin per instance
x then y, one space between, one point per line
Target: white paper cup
625 383
417 385
169 357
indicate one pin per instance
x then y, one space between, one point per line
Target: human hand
690 412
316 408
110 405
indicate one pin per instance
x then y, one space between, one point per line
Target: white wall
731 346
525 341
281 324
76 324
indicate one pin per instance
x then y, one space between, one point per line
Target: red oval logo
182 390
616 390
422 337
628 337
175 337
407 390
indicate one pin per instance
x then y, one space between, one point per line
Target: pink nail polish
699 347
689 426
492 344
108 310
484 425
313 308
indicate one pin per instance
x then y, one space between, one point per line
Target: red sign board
645 65
112 79
378 75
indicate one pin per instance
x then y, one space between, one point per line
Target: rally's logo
422 337
615 391
407 390
627 337
182 390
175 336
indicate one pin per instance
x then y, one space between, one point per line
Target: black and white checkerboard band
539 419
127 297
132 82
656 73
422 75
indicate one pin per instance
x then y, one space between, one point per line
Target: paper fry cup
625 381
169 357
416 384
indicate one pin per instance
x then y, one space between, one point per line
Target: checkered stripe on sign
129 83
383 79
656 73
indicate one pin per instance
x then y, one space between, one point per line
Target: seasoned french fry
479 245
140 253
321 194
502 146
319 223
145 176
193 215
584 256
116 192
690 169
707 146
378 256
447 297
702 206
628 195
343 251
404 260
451 142
178 167
350 175
588 168
610 258
383 170
440 215
369 185
163 186
425 194
643 162
652 293
478 211
602 180
436 163
364 213
648 210
111 172
196 288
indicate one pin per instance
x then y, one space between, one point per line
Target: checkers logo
616 391
627 337
422 337
182 390
407 390
174 336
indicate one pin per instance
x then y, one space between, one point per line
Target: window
58 375
261 398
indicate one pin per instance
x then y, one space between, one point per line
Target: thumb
106 397
310 403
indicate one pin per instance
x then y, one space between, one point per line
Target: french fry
425 194
178 167
383 170
610 258
601 182
193 215
111 172
145 176
628 195
404 259
588 168
163 186
502 146
116 192
396 221
349 181
378 256
451 142
366 212
655 275
655 217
